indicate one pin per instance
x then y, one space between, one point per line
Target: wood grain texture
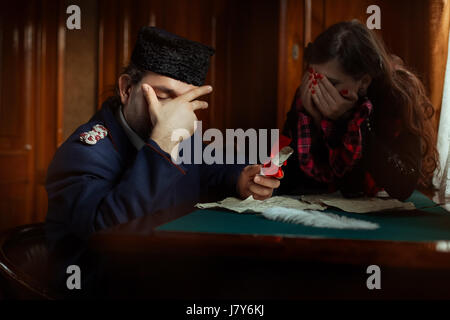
29 107
290 69
245 35
439 17
18 106
49 107
80 65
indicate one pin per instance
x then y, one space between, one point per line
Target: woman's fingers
326 94
318 99
306 80
305 84
352 96
305 77
334 93
308 101
317 103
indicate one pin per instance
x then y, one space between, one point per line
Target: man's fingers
195 93
260 191
257 197
253 169
150 97
268 182
197 104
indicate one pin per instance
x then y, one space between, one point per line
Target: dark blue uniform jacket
91 187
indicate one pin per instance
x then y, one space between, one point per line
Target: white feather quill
317 219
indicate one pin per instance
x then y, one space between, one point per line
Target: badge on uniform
97 133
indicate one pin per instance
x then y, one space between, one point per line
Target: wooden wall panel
253 64
290 63
318 18
80 66
196 26
29 107
19 42
439 17
244 34
110 38
47 134
219 75
403 25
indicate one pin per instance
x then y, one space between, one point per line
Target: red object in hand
278 175
311 70
344 92
283 141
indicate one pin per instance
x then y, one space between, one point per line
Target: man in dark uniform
118 166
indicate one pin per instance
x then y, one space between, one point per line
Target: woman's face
341 81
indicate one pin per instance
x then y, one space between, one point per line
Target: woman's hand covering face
331 103
306 97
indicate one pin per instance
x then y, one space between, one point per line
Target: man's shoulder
91 137
88 149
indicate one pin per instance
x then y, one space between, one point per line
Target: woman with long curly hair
360 121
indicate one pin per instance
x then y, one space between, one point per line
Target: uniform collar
135 139
116 132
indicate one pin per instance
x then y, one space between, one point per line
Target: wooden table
187 253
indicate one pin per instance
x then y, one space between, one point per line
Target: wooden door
28 107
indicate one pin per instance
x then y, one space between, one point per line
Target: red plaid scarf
341 158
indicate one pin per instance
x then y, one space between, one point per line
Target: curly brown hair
395 90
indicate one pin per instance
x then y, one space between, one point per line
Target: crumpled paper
358 205
252 205
312 202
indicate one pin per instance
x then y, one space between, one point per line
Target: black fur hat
167 54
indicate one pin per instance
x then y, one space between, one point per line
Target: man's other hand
251 183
